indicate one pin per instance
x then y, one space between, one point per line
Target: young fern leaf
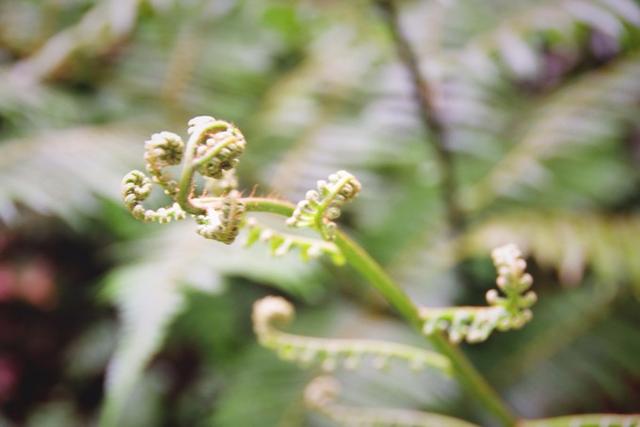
222 224
321 393
588 420
212 150
320 208
282 243
511 311
331 353
162 150
136 187
41 171
217 145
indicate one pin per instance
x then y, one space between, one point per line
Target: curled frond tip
136 187
511 311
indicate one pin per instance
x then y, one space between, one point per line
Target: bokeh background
537 102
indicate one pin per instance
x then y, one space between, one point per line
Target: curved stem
263 204
186 181
362 262
368 268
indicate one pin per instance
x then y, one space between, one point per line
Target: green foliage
538 104
136 188
275 399
222 225
144 328
322 391
604 243
317 211
332 353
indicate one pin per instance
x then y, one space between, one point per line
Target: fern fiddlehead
321 394
331 353
162 150
511 311
320 208
136 188
282 243
212 151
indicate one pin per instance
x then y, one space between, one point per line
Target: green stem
190 165
432 125
362 262
367 267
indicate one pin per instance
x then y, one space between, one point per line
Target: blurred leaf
149 293
62 172
576 351
53 414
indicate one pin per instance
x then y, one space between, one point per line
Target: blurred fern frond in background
539 104
45 173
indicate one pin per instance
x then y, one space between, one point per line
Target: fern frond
223 224
146 310
330 353
570 242
319 208
213 149
136 188
518 38
216 146
475 324
149 288
320 395
162 150
63 172
282 243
